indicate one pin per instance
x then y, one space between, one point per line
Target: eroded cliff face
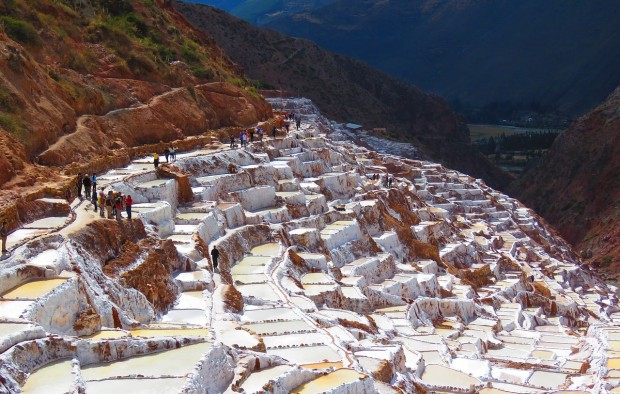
77 83
576 186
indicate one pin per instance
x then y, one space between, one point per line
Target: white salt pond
330 381
308 338
48 223
170 332
136 386
259 290
269 314
547 379
33 290
255 382
186 316
438 375
23 234
13 309
307 354
277 328
56 377
176 362
190 300
45 259
153 183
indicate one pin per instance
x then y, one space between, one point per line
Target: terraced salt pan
255 382
286 340
249 278
45 258
259 290
22 234
315 290
33 290
13 309
547 379
438 375
330 381
53 378
153 183
307 354
316 278
48 222
108 334
170 332
278 328
176 362
264 314
12 328
186 316
136 386
190 300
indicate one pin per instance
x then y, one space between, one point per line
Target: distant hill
346 89
554 53
576 186
260 12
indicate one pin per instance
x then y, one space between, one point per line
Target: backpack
108 201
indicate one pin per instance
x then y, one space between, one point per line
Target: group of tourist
109 205
247 136
113 203
170 153
388 180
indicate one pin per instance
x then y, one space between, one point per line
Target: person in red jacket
128 203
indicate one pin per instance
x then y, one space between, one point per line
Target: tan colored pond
52 378
262 291
136 386
277 328
270 250
176 362
172 332
307 354
438 375
255 382
329 381
33 290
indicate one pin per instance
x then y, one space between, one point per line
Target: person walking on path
118 204
101 202
214 256
173 153
128 204
109 203
4 233
232 141
78 183
298 120
260 133
251 132
273 132
155 160
94 198
167 153
93 182
87 186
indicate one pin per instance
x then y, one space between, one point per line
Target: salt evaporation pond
329 381
136 386
33 290
52 378
176 362
438 375
269 250
307 355
255 382
13 309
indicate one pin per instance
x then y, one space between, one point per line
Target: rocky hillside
82 80
479 52
576 187
345 89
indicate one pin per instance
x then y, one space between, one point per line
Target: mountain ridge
346 89
555 55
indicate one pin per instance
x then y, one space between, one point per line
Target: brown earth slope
80 80
576 186
346 89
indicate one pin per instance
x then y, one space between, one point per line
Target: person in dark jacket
214 256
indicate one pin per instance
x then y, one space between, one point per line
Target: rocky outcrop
576 186
98 89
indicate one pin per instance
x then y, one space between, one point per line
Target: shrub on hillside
19 30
